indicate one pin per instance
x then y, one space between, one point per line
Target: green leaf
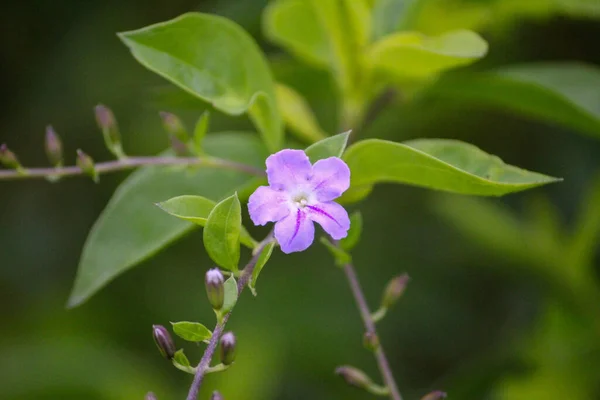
231 296
333 146
200 131
297 114
214 59
131 229
440 164
196 209
222 233
412 55
181 362
562 92
340 256
191 331
264 256
354 233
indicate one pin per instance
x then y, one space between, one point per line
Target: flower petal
267 205
331 178
332 217
288 168
295 232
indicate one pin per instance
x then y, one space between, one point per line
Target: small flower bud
394 290
228 348
53 147
217 396
215 289
437 395
371 340
150 396
163 341
86 164
110 130
354 377
8 158
174 126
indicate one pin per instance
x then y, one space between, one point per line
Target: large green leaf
132 228
214 59
333 146
447 165
222 233
414 55
561 92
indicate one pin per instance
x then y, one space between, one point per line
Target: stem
129 163
365 313
204 364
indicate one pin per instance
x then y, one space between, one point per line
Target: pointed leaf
214 59
354 233
200 131
333 146
264 256
339 255
297 114
191 331
231 295
222 233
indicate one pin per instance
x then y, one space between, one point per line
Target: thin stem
365 313
129 163
204 364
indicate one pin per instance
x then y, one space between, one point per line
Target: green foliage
222 233
439 164
196 209
231 296
191 331
297 114
354 233
200 131
333 146
340 256
561 92
131 229
264 256
181 362
188 51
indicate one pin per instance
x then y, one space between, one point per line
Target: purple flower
298 195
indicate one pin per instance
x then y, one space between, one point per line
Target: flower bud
110 130
8 158
228 348
150 396
437 395
53 147
371 340
394 290
163 341
86 164
174 126
354 377
217 396
215 288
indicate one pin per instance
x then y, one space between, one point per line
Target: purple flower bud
228 348
150 396
110 130
394 290
215 288
437 395
53 147
163 341
86 164
217 396
354 377
174 126
8 158
371 341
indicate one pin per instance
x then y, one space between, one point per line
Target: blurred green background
500 306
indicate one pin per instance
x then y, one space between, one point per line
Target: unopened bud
174 126
163 341
215 288
228 348
8 158
86 164
217 396
371 340
110 130
53 147
150 396
394 290
437 395
354 377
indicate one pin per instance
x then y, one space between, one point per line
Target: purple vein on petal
319 211
297 228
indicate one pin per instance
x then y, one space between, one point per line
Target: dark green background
467 323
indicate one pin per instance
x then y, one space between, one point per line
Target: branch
218 331
129 163
365 313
